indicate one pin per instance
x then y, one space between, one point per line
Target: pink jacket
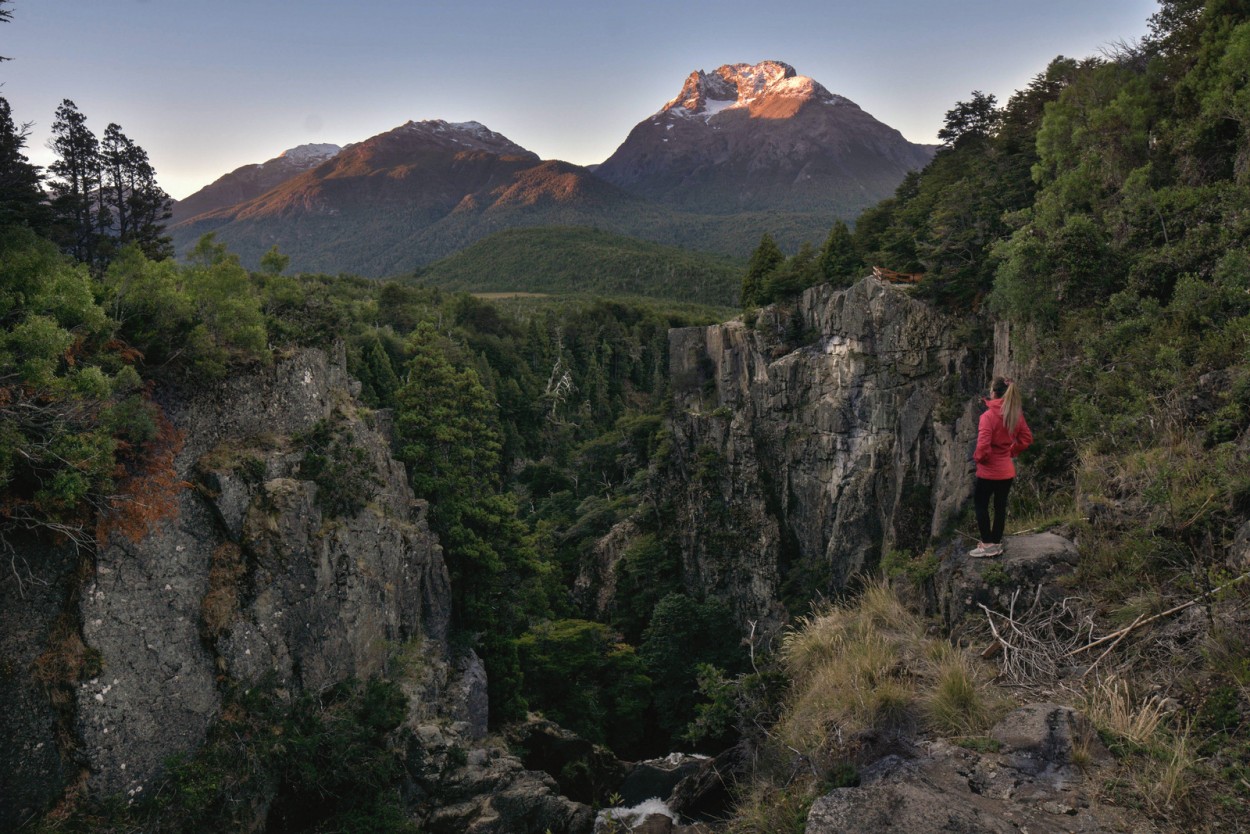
996 446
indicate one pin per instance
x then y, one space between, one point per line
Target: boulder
1028 563
467 699
707 793
1048 740
656 778
649 817
1030 784
584 771
486 791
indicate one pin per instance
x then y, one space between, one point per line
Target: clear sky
206 87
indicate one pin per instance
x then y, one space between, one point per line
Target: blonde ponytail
1013 407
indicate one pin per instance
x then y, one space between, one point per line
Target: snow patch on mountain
740 85
309 153
468 134
713 106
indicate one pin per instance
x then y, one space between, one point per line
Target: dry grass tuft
1161 759
770 809
1167 783
959 700
868 667
1111 706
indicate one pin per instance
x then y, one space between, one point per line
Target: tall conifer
21 196
764 261
76 183
839 260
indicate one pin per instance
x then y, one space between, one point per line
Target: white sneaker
994 550
980 551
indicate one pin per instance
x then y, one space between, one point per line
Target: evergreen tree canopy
21 193
103 193
76 185
83 452
766 258
977 118
840 262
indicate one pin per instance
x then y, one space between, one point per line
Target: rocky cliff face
258 577
806 443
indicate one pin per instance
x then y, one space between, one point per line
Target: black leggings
981 498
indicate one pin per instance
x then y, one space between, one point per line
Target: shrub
344 475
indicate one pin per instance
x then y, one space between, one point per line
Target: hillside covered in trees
1099 216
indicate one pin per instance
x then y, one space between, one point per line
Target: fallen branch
1117 636
1112 646
1032 642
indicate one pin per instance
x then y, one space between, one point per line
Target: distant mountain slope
400 200
748 147
581 260
408 196
251 181
756 137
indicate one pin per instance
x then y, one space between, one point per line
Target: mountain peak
303 154
742 86
761 137
462 135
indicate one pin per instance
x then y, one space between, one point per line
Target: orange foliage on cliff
147 486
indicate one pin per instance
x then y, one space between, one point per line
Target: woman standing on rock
1001 435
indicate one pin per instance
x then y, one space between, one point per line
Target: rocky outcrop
584 771
258 578
42 658
803 445
485 790
594 590
656 778
1034 780
1029 570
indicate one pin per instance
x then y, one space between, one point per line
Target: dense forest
1101 211
527 424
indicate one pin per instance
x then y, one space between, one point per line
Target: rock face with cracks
256 578
836 426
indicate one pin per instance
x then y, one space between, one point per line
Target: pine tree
104 194
150 206
76 184
977 118
839 260
793 276
138 207
447 430
21 195
766 258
